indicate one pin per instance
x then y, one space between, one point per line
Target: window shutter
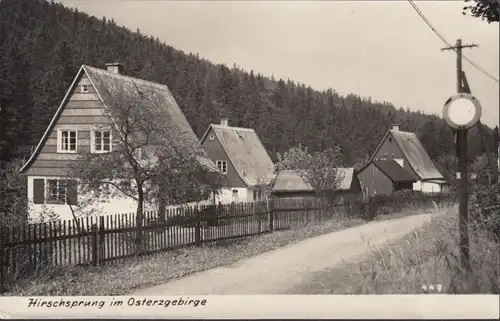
38 191
72 192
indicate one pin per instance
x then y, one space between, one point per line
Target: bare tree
320 170
143 156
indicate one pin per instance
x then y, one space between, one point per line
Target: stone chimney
395 127
114 67
223 122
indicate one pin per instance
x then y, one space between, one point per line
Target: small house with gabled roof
84 122
239 154
385 176
291 184
407 151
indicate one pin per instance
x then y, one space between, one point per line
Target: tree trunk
139 220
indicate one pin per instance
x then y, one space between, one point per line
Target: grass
428 256
123 277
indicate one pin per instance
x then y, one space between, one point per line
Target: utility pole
463 220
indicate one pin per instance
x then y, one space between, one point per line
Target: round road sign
462 111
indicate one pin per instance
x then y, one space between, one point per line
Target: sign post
462 112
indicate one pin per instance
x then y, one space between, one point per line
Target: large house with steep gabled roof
406 150
239 154
85 122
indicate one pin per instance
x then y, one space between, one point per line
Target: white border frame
222 161
59 147
92 140
46 192
474 120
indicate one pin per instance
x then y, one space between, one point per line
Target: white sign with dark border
462 111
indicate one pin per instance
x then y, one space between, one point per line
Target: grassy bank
428 256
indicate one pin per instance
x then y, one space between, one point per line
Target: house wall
296 195
253 194
427 187
403 186
373 180
216 152
225 195
102 206
83 112
355 186
88 206
389 149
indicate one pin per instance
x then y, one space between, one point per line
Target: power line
429 24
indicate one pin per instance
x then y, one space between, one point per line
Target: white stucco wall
97 207
427 187
225 196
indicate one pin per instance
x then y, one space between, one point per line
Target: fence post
271 216
102 236
197 230
257 210
94 245
371 208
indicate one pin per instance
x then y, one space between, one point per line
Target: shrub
485 208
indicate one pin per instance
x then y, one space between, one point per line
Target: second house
240 155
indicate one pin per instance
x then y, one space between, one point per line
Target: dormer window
84 88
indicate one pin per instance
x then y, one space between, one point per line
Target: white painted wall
225 196
427 187
97 207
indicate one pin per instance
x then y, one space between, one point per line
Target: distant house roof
394 171
246 152
292 181
415 154
161 108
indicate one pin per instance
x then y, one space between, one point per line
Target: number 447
430 288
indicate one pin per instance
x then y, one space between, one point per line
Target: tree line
44 43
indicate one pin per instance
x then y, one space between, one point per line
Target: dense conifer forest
42 45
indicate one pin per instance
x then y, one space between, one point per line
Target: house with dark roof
385 176
405 149
239 154
86 121
291 184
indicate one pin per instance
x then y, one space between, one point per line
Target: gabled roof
161 108
394 171
246 153
415 154
292 181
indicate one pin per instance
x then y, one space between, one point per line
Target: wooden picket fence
38 248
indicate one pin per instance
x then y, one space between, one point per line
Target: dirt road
278 271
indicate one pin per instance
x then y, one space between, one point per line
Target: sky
377 49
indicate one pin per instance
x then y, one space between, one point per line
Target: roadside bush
485 208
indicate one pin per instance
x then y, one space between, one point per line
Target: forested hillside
43 44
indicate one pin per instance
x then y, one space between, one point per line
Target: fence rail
35 248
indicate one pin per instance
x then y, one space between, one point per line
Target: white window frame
221 168
93 141
84 88
59 141
211 137
235 196
49 199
